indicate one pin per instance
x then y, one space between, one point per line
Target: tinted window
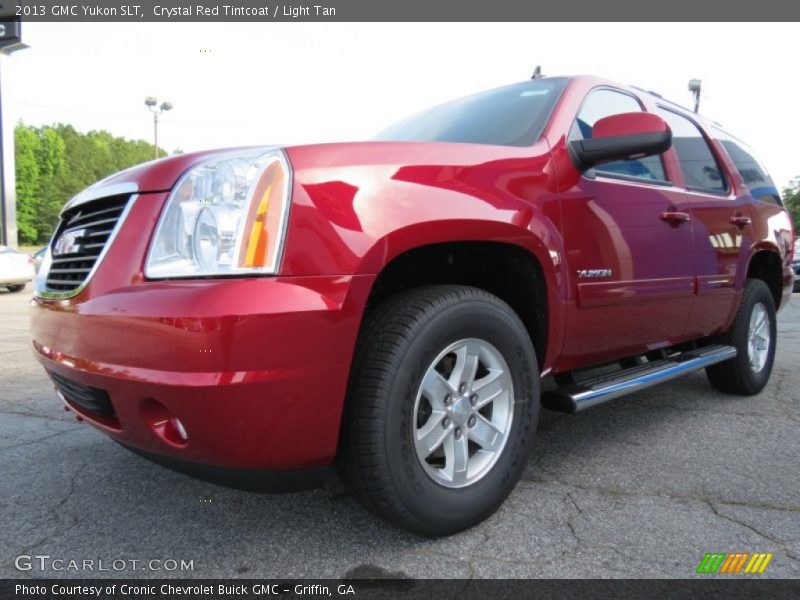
604 103
752 171
700 169
514 115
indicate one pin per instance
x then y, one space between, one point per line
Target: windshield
514 115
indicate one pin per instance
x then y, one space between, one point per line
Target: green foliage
26 145
55 163
791 198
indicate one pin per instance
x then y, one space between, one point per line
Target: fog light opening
179 428
164 424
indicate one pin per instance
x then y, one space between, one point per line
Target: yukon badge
593 273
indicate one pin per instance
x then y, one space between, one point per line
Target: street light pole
694 87
152 105
10 41
155 133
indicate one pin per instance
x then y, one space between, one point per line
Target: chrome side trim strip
44 269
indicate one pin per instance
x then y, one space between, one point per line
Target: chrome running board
590 392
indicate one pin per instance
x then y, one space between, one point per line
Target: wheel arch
765 264
499 258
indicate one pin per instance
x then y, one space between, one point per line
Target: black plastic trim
254 480
591 151
94 401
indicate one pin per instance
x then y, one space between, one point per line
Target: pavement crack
39 440
781 544
569 522
33 416
59 509
781 399
533 480
717 513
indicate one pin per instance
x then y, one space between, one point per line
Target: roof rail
651 92
675 104
660 97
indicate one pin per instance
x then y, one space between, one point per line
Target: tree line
791 198
53 163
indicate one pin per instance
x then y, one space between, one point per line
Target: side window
604 103
752 171
700 169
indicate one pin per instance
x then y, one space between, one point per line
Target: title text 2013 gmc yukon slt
260 314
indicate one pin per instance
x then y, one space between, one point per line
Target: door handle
740 221
675 218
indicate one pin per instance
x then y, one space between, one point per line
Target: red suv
258 315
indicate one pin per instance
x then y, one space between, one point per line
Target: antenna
537 72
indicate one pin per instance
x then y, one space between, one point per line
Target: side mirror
622 137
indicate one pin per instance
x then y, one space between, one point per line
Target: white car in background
16 269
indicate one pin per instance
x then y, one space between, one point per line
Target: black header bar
418 589
404 10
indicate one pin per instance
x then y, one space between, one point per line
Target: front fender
357 206
354 219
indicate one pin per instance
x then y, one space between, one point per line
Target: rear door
628 239
722 225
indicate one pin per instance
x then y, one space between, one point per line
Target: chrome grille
80 240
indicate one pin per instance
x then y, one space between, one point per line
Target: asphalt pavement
641 487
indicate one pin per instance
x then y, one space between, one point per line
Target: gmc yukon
259 315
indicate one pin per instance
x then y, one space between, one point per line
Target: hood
160 175
400 153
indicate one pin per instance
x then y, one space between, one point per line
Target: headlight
225 216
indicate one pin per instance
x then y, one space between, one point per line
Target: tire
741 375
16 288
400 342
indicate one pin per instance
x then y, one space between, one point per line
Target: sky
287 83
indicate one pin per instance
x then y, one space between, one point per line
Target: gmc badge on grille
67 243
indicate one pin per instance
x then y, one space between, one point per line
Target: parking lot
641 487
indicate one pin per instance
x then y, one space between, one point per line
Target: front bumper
254 369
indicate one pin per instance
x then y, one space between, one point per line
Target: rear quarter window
753 173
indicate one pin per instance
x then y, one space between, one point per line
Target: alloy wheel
463 413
